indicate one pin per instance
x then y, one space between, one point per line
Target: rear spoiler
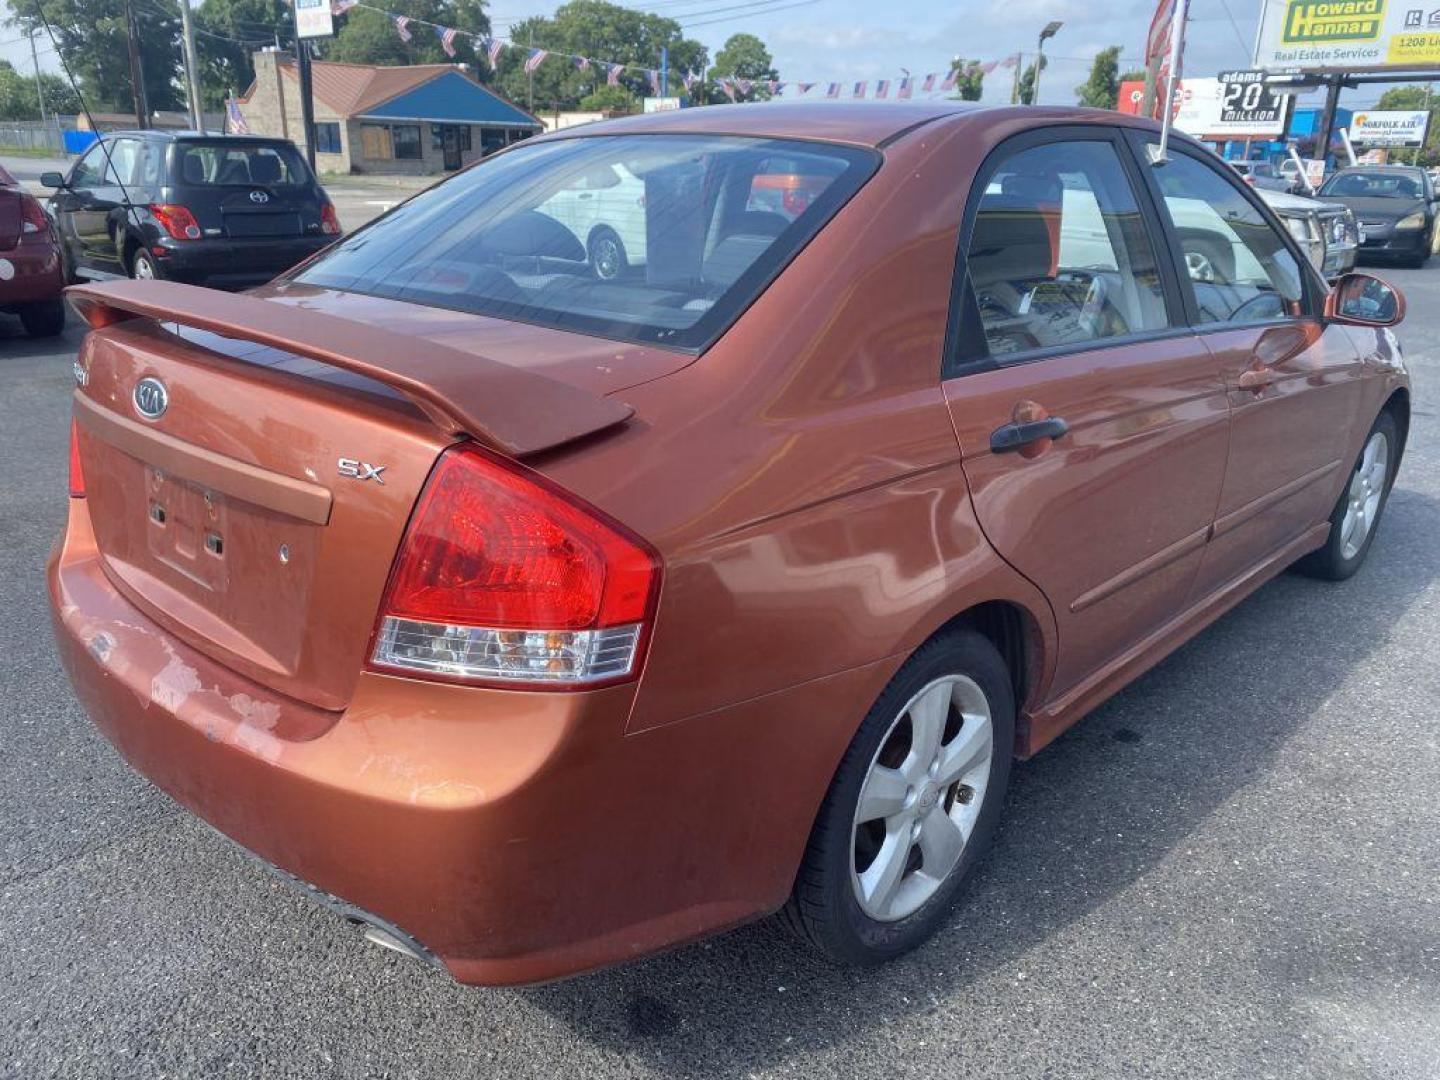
507 408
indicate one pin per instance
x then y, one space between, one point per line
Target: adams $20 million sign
1348 35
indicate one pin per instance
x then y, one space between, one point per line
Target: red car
30 275
540 619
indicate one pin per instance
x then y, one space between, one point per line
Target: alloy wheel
607 258
921 798
1367 488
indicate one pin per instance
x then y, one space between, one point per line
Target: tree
744 56
969 79
18 100
1027 81
614 99
91 39
227 32
1102 89
366 36
598 31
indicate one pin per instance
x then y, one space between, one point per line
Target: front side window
1237 263
653 238
89 170
1059 255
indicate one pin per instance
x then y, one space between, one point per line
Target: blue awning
452 99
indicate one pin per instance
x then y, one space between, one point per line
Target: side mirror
52 180
1362 300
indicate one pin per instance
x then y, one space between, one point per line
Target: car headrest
264 169
193 169
234 171
1013 240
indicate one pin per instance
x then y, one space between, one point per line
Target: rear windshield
225 164
650 238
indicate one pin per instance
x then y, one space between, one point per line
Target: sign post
312 20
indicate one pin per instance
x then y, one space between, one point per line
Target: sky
849 40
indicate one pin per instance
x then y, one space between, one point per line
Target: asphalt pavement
1232 869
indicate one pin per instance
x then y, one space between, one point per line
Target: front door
1092 423
1293 383
450 145
87 208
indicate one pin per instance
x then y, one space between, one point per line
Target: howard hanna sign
1348 35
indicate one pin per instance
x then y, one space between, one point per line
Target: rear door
1294 384
1092 423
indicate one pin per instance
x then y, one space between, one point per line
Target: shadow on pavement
1085 820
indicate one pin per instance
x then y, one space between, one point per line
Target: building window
388 142
462 137
406 140
327 137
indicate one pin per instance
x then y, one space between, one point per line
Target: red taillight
329 220
504 579
179 222
77 473
32 217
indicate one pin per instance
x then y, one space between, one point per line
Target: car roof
859 123
200 136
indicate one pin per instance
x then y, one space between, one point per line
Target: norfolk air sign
1348 35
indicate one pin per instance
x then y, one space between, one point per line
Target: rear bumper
35 274
234 264
518 837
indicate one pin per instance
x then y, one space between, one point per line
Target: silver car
1328 232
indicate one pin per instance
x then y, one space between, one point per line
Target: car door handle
1256 379
1009 437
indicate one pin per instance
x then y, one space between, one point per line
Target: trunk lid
257 514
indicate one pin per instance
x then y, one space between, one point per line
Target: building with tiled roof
418 119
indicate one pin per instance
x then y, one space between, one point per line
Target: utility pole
137 71
39 86
192 69
307 96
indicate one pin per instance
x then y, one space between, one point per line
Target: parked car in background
30 276
1261 174
225 211
604 208
541 621
1327 232
1396 208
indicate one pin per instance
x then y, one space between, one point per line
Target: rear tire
915 788
45 318
143 266
1360 506
607 254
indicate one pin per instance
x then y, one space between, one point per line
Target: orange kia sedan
538 619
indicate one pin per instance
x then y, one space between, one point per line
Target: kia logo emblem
259 196
151 398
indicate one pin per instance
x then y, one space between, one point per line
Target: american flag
882 88
744 86
612 74
833 90
989 66
906 88
948 83
234 121
728 85
804 87
1009 61
859 90
537 57
402 27
446 34
774 86
493 49
581 64
928 86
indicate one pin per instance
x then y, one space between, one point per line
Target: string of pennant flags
733 87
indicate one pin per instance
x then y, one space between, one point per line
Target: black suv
229 211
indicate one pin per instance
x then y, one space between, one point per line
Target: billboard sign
661 104
1389 128
1347 35
1230 107
313 19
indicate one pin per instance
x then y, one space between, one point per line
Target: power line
767 11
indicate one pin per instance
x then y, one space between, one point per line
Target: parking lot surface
1229 870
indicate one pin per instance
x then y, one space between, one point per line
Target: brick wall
265 116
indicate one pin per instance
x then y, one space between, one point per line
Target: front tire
45 318
912 806
1356 516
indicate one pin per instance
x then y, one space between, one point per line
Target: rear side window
1058 253
1238 265
647 238
231 164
